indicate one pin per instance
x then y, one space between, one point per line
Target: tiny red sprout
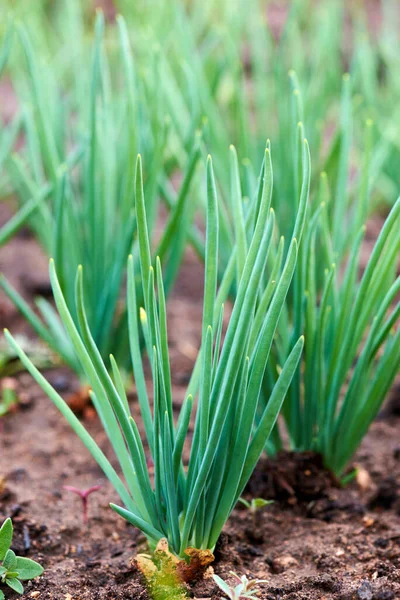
84 495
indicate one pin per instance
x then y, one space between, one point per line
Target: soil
316 541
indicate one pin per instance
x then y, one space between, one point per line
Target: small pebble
60 383
27 539
284 562
364 592
381 543
363 479
34 594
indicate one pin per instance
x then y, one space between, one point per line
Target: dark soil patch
292 478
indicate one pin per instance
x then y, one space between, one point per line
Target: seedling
83 495
255 504
245 588
189 504
14 569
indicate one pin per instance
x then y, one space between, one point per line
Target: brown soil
317 541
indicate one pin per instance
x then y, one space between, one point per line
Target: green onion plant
192 494
74 180
350 318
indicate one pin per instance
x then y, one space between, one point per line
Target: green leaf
223 586
27 568
10 561
259 503
131 517
15 585
6 534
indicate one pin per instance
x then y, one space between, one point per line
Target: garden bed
327 543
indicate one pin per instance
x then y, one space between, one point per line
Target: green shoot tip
346 76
